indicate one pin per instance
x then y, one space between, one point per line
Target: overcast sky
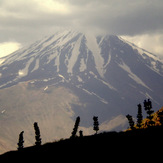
25 21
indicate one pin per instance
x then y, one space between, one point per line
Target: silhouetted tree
139 116
96 124
21 141
148 109
81 133
75 129
37 134
130 120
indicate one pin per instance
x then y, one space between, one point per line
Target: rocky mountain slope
72 74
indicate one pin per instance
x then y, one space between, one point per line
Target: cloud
152 42
120 16
27 21
50 6
114 16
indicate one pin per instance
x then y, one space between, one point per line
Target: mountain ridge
59 40
70 74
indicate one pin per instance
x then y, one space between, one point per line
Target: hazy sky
25 21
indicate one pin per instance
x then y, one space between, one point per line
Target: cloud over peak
27 21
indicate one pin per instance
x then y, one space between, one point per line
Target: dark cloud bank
26 22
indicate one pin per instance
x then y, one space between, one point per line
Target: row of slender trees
147 108
38 136
75 129
149 111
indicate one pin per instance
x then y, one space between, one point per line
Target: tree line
37 137
73 134
149 122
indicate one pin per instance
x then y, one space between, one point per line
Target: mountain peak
67 49
70 74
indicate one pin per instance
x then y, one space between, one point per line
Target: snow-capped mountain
72 74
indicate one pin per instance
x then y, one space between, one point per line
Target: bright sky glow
8 47
52 6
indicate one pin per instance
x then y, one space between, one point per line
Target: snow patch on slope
36 65
109 59
74 56
132 75
104 82
82 65
96 52
24 71
146 55
94 94
1 61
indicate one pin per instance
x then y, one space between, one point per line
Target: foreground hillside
113 144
